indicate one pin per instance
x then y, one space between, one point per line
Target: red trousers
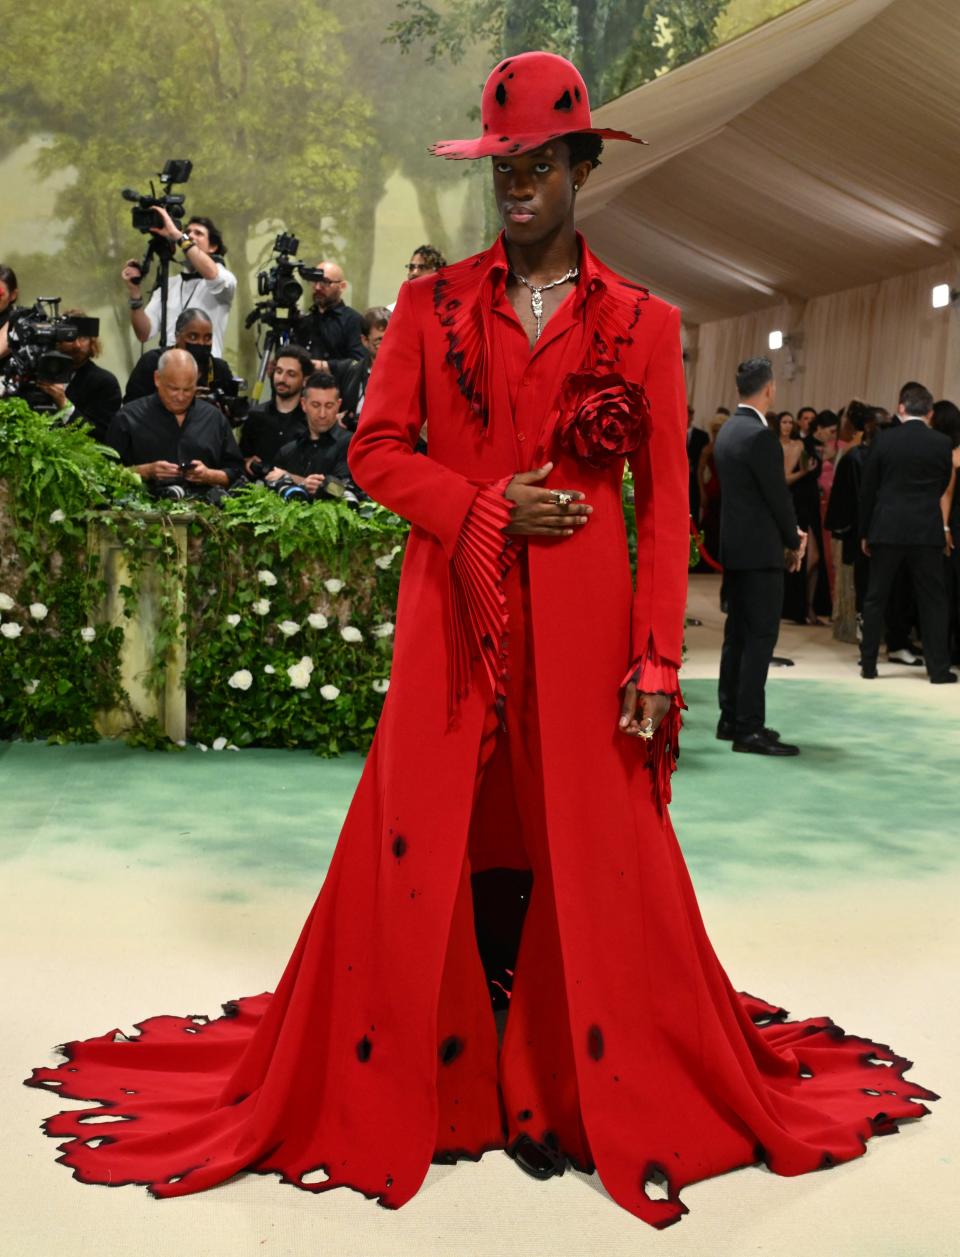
528 1085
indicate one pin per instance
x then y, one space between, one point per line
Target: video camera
34 335
144 214
279 285
230 400
287 488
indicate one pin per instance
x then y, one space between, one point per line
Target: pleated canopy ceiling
818 153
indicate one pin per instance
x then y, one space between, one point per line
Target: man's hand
57 391
313 482
132 276
275 473
865 547
320 364
537 512
640 712
168 227
200 473
158 470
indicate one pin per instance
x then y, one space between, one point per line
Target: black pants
925 564
754 600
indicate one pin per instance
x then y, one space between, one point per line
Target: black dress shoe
948 678
868 671
535 1159
760 744
727 732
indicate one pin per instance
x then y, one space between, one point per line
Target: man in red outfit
505 748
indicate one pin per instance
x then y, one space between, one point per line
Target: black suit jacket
757 519
907 472
697 442
95 395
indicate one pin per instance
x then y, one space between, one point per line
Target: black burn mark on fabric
450 1049
504 65
503 139
364 1049
576 92
501 94
565 101
399 846
595 1043
231 1008
524 1115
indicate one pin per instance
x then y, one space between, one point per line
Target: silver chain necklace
537 291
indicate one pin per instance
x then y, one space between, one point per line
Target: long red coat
357 1063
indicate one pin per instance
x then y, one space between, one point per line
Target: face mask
201 355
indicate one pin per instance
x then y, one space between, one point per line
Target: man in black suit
902 524
91 393
758 538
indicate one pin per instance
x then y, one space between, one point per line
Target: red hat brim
488 146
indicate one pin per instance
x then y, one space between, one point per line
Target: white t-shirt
213 296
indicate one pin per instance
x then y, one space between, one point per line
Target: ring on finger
562 497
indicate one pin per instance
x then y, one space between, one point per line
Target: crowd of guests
877 502
175 420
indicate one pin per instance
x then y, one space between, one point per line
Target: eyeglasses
417 266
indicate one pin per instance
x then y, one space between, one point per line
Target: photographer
280 420
193 332
331 332
8 303
173 436
205 282
91 393
352 377
321 451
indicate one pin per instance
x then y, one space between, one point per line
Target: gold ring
562 498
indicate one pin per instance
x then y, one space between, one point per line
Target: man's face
372 342
199 233
534 191
321 406
287 378
177 386
78 351
199 332
419 265
7 295
804 420
329 290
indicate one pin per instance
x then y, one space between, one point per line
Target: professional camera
144 215
34 358
278 283
284 486
228 398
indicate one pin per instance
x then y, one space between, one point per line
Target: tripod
279 327
163 250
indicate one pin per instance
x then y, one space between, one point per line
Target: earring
576 187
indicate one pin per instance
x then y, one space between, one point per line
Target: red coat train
378 1052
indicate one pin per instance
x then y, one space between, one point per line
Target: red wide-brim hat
527 101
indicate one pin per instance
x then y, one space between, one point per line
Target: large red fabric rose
602 417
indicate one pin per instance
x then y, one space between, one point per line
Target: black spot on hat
501 94
486 126
565 101
364 1048
450 1049
503 139
503 65
576 92
595 1043
399 847
514 148
524 1115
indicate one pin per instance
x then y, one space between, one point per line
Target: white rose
233 620
219 743
31 687
384 561
317 620
203 746
266 578
288 627
6 602
306 662
351 634
241 680
299 676
38 610
381 687
9 629
261 606
57 517
88 633
383 630
269 669
333 586
329 692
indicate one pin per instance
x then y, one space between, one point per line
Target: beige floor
87 943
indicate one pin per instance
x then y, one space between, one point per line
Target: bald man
175 437
331 331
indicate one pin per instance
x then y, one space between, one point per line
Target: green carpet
871 794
